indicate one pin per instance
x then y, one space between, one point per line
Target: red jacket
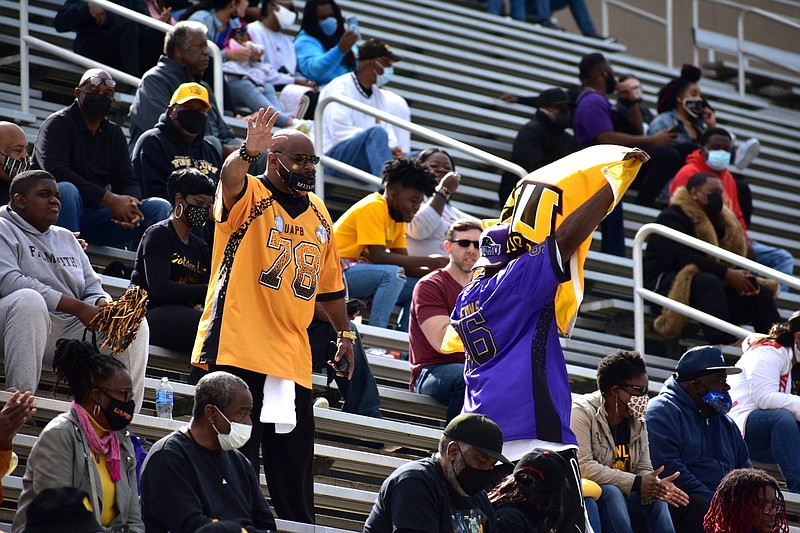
695 162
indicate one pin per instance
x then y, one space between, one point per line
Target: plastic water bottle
164 399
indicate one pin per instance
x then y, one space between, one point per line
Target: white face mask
238 437
286 17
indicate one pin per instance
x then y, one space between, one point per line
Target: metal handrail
744 10
26 41
422 131
640 293
666 21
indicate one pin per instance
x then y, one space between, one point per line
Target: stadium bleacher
452 81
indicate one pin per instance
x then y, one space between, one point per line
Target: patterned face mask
637 406
719 401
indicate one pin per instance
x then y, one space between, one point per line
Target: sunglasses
127 394
301 159
638 390
97 80
465 243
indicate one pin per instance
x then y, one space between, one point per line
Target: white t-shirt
278 52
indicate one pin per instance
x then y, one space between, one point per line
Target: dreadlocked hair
733 502
80 366
523 491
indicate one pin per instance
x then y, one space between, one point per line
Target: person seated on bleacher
323 45
529 499
713 157
747 499
14 153
353 137
371 236
764 407
173 264
543 139
434 373
630 115
691 434
279 56
88 447
425 234
48 289
542 14
88 156
15 413
62 509
185 59
700 280
196 475
220 17
444 492
614 452
593 125
177 142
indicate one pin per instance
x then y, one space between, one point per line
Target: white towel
278 406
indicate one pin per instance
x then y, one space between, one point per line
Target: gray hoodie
51 262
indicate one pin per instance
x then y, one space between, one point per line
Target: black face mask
196 215
611 84
192 120
96 106
563 119
297 182
472 480
119 414
714 205
12 167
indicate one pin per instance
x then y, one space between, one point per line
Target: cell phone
351 23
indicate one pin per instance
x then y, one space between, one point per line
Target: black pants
665 161
173 327
689 519
288 458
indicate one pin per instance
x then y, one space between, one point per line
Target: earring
96 410
175 212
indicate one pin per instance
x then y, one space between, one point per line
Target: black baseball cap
553 96
65 510
545 467
702 360
375 48
480 432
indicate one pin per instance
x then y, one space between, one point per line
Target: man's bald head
13 150
91 73
296 142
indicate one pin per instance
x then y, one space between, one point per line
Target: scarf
107 444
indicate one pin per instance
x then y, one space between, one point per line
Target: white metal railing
426 133
26 41
640 293
666 21
742 54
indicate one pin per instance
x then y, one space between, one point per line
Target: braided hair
79 365
526 492
732 504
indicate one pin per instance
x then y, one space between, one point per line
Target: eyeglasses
127 394
97 80
301 159
638 389
465 243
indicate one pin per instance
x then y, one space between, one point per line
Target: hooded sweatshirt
51 262
683 439
162 150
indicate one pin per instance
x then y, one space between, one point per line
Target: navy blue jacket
683 439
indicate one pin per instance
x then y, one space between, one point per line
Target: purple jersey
515 369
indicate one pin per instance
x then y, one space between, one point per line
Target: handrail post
24 61
670 37
740 50
604 16
695 25
217 74
638 300
319 183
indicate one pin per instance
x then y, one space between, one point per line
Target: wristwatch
346 335
444 192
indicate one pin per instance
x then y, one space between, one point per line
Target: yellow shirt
109 488
269 264
367 223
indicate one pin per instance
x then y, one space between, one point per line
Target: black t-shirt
622 448
512 519
418 497
172 272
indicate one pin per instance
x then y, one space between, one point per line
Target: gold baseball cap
190 91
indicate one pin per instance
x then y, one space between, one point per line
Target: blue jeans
773 436
543 10
368 151
95 223
388 285
517 8
617 512
247 94
776 258
593 513
444 383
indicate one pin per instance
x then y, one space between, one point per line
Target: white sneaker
747 151
322 403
